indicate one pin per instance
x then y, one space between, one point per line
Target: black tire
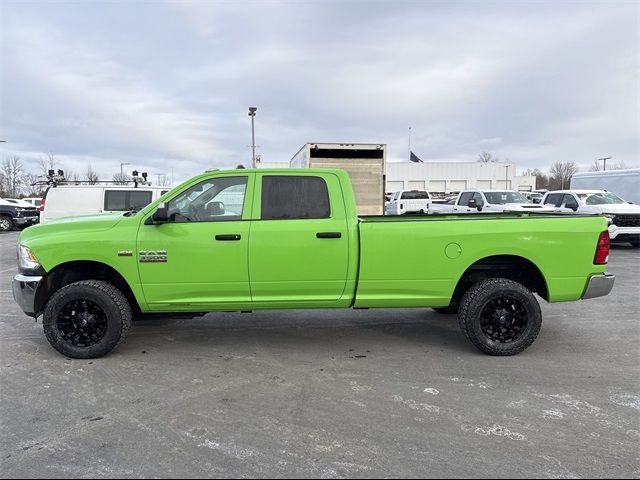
6 223
500 317
87 319
450 310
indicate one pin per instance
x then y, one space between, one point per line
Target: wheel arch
513 267
77 270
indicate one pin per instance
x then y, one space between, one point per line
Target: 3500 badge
153 256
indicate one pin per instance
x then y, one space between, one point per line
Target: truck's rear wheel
500 316
86 319
6 224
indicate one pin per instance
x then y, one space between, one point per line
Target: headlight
26 259
610 218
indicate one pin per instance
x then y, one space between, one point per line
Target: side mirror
473 203
572 206
161 215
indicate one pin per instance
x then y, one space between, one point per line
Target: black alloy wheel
82 323
499 316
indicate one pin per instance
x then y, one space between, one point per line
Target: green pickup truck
291 239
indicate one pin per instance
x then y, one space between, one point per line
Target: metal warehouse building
455 176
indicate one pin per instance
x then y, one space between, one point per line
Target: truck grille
627 220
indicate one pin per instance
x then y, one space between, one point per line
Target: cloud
167 85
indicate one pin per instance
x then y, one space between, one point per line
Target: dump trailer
364 162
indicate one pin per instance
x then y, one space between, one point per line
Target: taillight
41 207
602 250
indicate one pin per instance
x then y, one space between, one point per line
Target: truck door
462 205
299 243
198 259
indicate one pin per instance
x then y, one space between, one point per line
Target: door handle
328 235
228 238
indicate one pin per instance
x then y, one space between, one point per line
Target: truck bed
417 260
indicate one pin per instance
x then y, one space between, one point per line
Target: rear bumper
24 293
599 286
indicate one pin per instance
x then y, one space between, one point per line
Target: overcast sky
165 85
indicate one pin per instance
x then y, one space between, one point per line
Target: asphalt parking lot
327 394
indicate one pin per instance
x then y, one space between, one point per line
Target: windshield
500 198
601 198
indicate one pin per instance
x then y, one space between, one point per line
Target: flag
414 158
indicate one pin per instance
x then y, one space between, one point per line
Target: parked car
534 197
35 201
444 206
408 201
489 201
292 240
624 217
15 214
75 200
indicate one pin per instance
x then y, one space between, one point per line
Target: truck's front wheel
6 224
86 319
500 316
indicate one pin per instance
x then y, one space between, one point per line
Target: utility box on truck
364 162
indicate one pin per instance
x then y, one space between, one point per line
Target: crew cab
14 213
408 201
624 217
291 239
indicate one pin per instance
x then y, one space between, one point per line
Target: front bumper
24 293
615 231
599 286
25 220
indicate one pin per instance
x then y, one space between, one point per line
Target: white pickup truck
488 201
408 201
624 217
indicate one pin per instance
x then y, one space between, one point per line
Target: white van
75 200
408 201
626 183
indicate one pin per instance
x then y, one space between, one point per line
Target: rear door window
125 200
289 197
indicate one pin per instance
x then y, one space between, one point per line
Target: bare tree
487 157
12 175
91 176
31 188
619 165
121 178
164 181
542 179
48 163
560 175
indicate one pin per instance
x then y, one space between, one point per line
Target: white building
455 176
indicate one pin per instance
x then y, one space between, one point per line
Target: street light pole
252 114
604 161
